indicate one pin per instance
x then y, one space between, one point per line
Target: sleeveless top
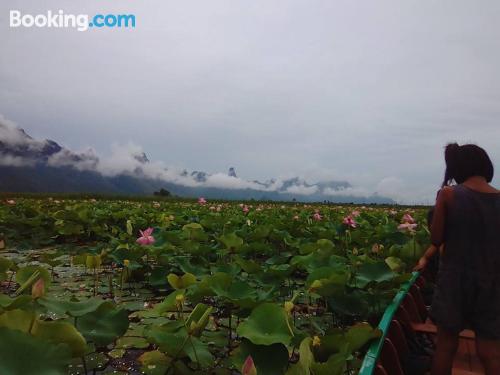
472 233
467 293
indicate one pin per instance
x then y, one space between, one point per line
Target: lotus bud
38 289
179 299
315 285
316 341
126 262
249 367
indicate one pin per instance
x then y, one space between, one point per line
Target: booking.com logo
81 22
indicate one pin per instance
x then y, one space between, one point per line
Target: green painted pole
371 357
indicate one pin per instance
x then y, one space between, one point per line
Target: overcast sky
369 92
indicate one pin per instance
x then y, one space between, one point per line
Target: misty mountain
30 165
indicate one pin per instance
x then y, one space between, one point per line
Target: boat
408 338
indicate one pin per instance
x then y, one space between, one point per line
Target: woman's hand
422 263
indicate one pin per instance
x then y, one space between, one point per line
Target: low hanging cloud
302 189
18 149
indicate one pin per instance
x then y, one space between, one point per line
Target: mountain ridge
44 166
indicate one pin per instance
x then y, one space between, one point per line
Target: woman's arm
422 262
443 202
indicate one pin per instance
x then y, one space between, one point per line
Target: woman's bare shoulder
446 192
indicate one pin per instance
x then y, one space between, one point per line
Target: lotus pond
130 287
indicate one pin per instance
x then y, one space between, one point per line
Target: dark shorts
465 299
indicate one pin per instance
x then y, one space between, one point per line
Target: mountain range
31 165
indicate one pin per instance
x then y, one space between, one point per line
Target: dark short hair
466 161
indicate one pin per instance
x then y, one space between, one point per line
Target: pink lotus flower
407 227
317 216
245 209
202 201
349 221
249 367
407 218
11 202
355 213
38 289
146 237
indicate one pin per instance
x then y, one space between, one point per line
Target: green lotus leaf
219 282
395 264
19 302
411 251
174 340
169 303
267 324
361 333
308 248
22 354
351 304
325 244
268 359
18 319
373 272
158 277
335 365
154 362
128 342
328 281
198 352
331 343
181 282
61 332
117 353
248 266
103 325
260 232
192 226
306 359
73 308
231 241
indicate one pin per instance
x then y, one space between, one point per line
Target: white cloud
302 189
349 192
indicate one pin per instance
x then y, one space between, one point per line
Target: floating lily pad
127 342
267 324
104 325
73 308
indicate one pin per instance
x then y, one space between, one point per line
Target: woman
467 222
